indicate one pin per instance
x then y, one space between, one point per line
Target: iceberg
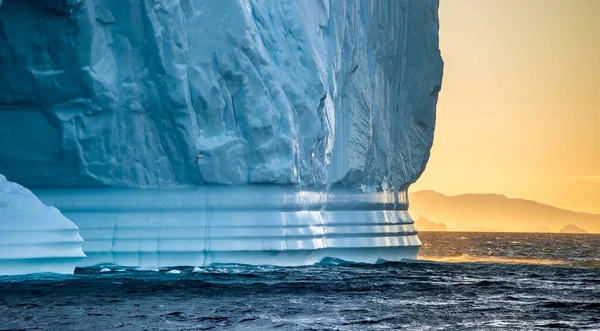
312 117
35 237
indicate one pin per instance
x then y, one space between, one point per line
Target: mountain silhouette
495 212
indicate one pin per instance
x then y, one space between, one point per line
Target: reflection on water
482 259
580 250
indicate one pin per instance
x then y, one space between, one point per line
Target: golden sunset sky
519 111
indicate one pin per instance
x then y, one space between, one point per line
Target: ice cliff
308 96
125 93
34 237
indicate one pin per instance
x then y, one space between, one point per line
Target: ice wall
33 236
253 224
125 93
313 117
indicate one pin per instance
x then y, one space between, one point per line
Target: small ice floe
147 269
196 269
174 271
105 270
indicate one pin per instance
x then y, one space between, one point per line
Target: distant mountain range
494 212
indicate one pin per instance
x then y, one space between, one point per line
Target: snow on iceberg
35 237
296 106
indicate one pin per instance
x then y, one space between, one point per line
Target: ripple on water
524 288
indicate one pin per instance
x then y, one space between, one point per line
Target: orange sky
519 111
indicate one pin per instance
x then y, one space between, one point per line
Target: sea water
465 281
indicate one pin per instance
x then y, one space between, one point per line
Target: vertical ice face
34 237
125 93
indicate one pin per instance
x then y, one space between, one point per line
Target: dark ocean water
467 281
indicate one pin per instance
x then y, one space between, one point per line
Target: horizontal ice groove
306 113
257 224
34 237
221 197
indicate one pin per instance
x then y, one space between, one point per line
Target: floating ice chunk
196 269
174 271
34 237
105 270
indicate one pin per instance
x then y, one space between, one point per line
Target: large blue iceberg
313 118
